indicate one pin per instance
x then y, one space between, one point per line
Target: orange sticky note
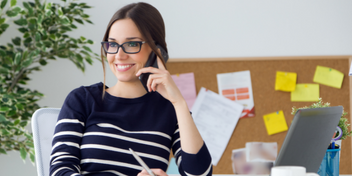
275 122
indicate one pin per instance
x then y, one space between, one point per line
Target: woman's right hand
158 172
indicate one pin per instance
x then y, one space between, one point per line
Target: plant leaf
21 22
2 118
4 26
18 58
37 36
42 62
87 48
32 157
32 20
16 41
2 151
27 62
23 153
3 4
4 109
2 20
13 3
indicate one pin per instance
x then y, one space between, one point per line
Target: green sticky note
305 92
275 122
328 76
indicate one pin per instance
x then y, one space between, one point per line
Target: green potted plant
44 28
343 123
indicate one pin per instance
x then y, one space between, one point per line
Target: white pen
142 163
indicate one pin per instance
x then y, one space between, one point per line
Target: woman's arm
160 80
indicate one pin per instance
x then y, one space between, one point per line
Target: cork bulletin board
266 99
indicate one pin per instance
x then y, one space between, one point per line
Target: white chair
43 126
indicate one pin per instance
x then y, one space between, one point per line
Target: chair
43 126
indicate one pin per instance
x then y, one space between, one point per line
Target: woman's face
125 66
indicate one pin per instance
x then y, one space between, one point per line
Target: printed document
237 86
216 118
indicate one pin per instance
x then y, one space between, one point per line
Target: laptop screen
308 137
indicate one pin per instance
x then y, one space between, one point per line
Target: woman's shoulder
92 90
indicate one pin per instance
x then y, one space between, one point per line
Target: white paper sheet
215 117
237 86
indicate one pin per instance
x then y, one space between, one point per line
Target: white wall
206 28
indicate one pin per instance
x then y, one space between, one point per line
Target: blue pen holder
331 163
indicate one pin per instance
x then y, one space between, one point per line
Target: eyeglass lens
128 47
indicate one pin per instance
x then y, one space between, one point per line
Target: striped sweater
93 136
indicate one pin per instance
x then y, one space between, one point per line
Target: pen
142 163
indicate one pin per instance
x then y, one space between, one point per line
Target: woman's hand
157 172
160 80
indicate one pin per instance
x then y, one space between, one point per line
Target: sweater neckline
110 97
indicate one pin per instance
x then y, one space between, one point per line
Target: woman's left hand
160 80
157 172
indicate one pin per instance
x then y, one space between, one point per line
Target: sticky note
285 81
305 92
328 76
275 122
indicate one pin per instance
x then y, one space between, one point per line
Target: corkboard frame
266 99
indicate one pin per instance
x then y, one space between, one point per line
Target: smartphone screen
152 62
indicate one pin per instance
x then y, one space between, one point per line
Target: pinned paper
186 84
285 81
275 122
328 76
305 92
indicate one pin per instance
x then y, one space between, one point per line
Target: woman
98 124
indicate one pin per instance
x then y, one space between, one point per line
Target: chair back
43 126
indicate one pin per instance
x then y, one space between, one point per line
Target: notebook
308 137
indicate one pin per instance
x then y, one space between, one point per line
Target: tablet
308 137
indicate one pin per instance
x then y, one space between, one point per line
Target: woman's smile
123 67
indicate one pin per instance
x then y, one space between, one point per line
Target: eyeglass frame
123 48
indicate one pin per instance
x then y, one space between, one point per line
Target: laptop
308 137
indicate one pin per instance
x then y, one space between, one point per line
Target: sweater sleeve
191 164
65 157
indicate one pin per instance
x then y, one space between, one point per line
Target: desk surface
242 175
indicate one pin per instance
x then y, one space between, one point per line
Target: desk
240 175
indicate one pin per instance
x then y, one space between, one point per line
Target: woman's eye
112 44
132 44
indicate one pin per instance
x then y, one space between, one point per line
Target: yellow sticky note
305 92
275 122
285 81
328 76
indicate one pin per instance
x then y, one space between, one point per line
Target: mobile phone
153 63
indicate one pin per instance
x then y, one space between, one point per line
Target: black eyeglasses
131 47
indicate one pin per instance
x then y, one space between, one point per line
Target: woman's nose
121 54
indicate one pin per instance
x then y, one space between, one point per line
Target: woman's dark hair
149 23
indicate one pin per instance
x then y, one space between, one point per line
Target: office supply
216 118
330 164
328 76
142 163
263 70
285 81
308 137
275 122
305 92
186 84
237 86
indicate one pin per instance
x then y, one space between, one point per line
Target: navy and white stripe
93 136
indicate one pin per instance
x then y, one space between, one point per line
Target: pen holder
331 163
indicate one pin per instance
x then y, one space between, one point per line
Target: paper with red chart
237 86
